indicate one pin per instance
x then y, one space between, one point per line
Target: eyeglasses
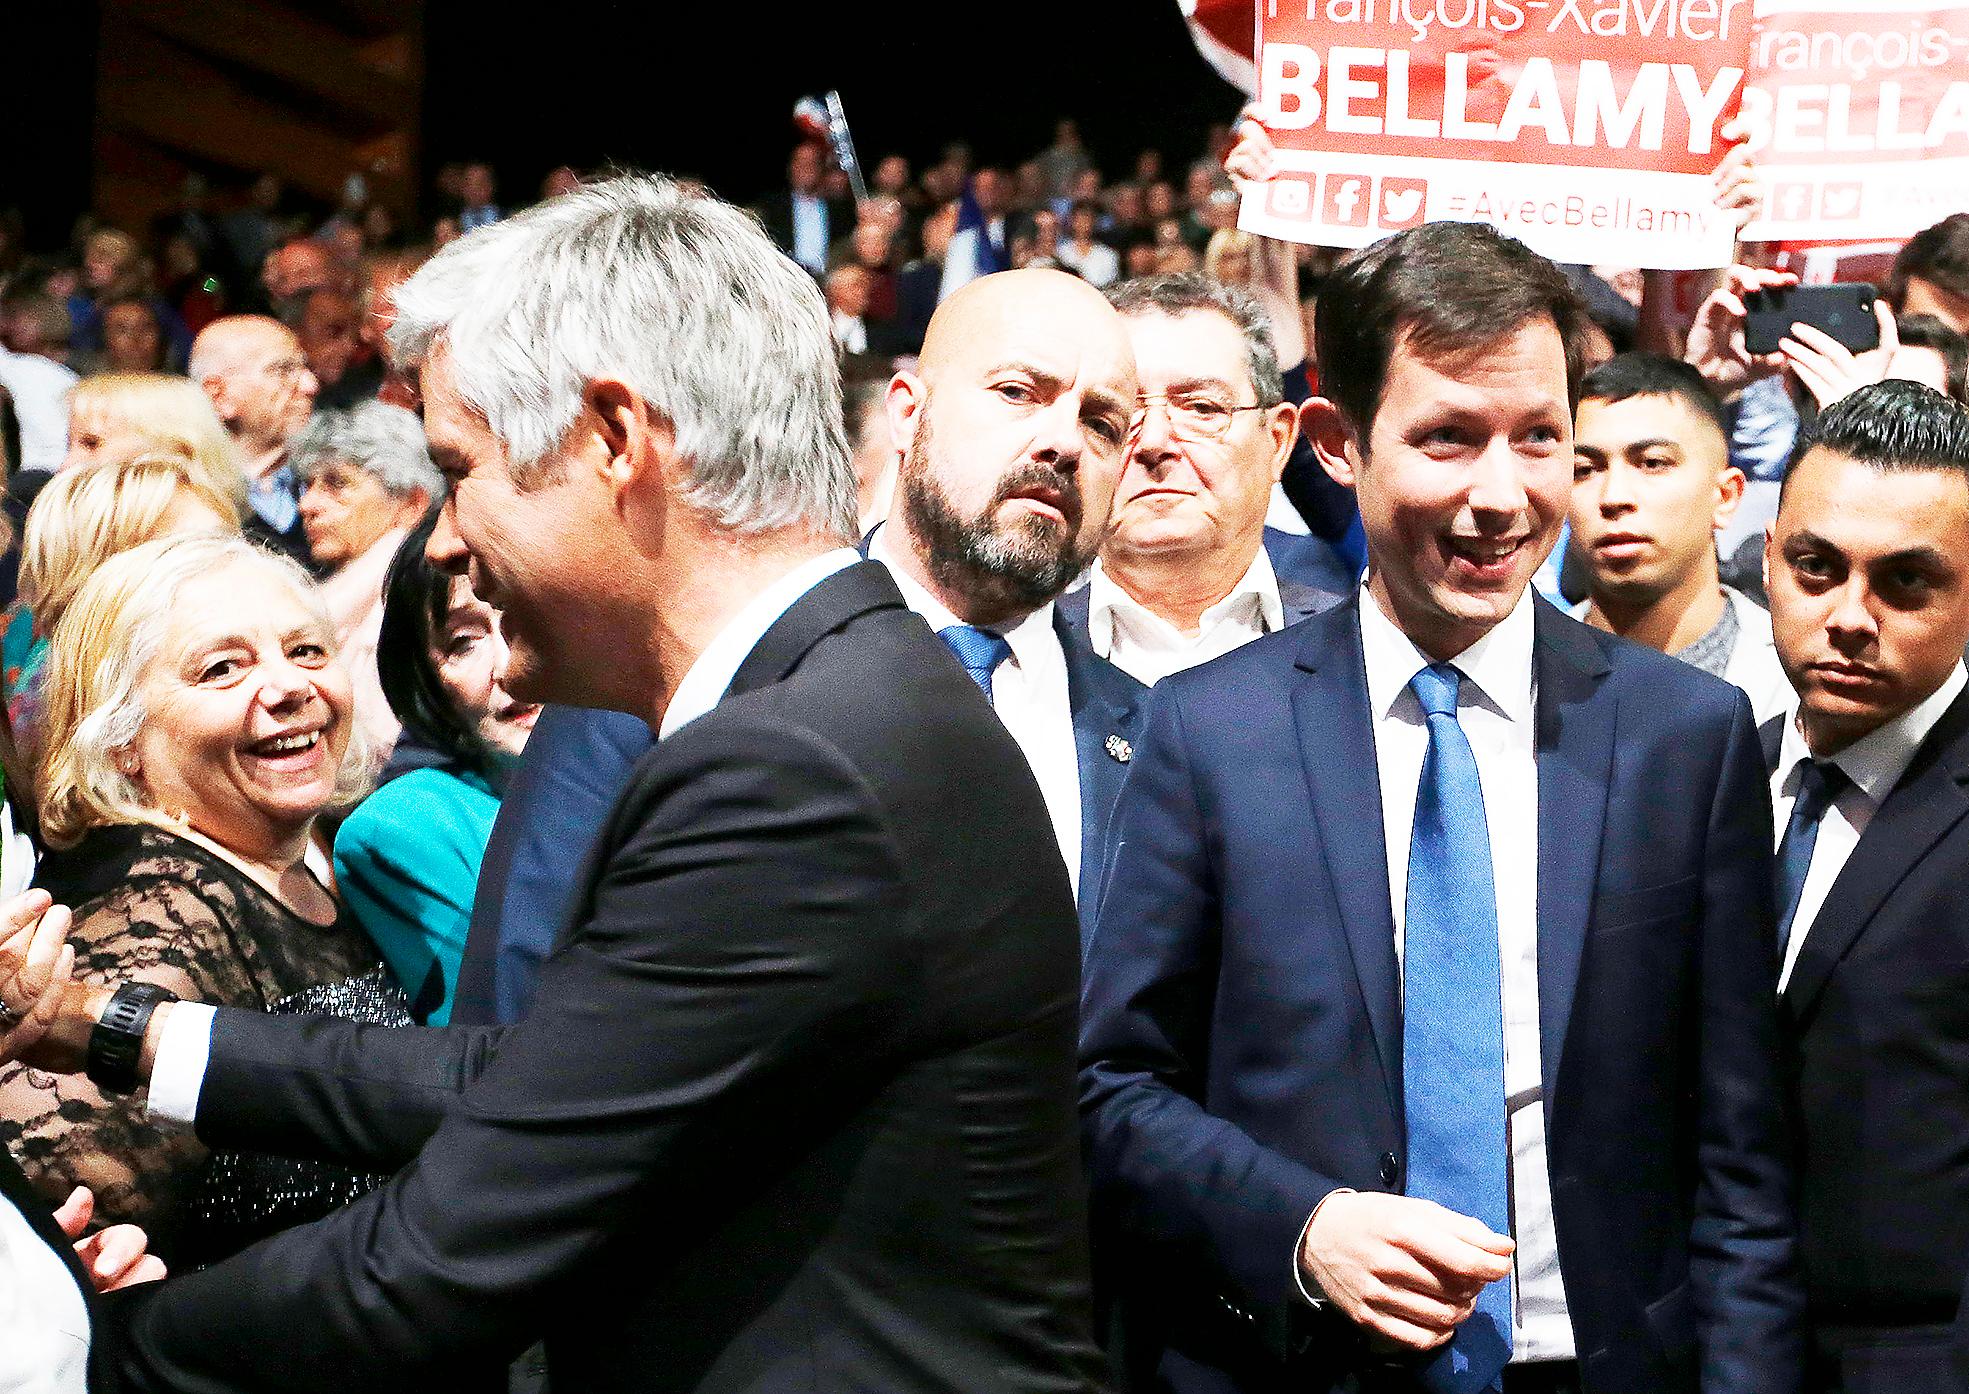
1192 416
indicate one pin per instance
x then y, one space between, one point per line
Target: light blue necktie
979 650
1453 1024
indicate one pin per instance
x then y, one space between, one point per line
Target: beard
1000 568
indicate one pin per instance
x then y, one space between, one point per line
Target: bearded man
1017 422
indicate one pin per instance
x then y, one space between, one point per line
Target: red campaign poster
1584 128
1858 117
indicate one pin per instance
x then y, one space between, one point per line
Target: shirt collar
705 684
1499 664
1031 637
1106 599
1876 761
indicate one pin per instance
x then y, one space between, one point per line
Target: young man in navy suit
1869 582
1429 1034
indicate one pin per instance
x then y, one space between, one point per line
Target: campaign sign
1858 117
1584 128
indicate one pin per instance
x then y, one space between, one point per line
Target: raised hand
1829 369
1716 348
36 962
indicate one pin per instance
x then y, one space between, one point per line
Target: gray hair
383 441
680 296
1180 292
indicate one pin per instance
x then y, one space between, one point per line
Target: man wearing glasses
1015 426
253 370
1190 571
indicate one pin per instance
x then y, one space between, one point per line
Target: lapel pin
1120 749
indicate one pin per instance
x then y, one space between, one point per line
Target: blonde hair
86 516
105 647
172 413
1224 244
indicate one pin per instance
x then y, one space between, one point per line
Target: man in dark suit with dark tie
1014 428
793 1109
1429 1033
1868 567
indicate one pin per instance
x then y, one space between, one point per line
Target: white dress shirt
185 1042
1495 706
1029 692
1874 763
44 1324
1149 648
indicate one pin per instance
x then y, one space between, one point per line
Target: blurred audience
83 518
258 379
366 479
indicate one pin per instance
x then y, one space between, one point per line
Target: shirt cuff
1308 1289
178 1073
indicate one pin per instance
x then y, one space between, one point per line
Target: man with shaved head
1016 423
258 379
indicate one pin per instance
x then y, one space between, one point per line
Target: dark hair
864 380
1654 375
1448 288
1891 425
416 598
1938 255
1925 331
1181 292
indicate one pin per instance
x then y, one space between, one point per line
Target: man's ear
902 404
1282 424
630 445
1332 440
1729 494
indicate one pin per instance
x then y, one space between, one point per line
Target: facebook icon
1346 201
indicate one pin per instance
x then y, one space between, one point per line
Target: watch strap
118 1038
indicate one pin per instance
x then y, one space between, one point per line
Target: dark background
699 89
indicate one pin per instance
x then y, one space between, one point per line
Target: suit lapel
1336 745
1574 740
1106 709
1928 801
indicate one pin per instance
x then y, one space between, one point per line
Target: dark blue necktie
1453 1024
979 650
1819 783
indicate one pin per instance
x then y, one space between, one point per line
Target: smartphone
1844 311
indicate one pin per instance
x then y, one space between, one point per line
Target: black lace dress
153 906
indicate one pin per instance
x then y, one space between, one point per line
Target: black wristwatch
118 1039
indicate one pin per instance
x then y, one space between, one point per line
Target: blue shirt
407 862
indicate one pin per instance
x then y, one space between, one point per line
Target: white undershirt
1495 707
1149 648
1029 692
1875 763
44 1323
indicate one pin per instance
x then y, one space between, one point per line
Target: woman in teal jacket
407 860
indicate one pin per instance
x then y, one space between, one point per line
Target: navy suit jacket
1107 720
577 762
1241 1037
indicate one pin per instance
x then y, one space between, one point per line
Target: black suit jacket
793 1109
776 212
1877 1013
